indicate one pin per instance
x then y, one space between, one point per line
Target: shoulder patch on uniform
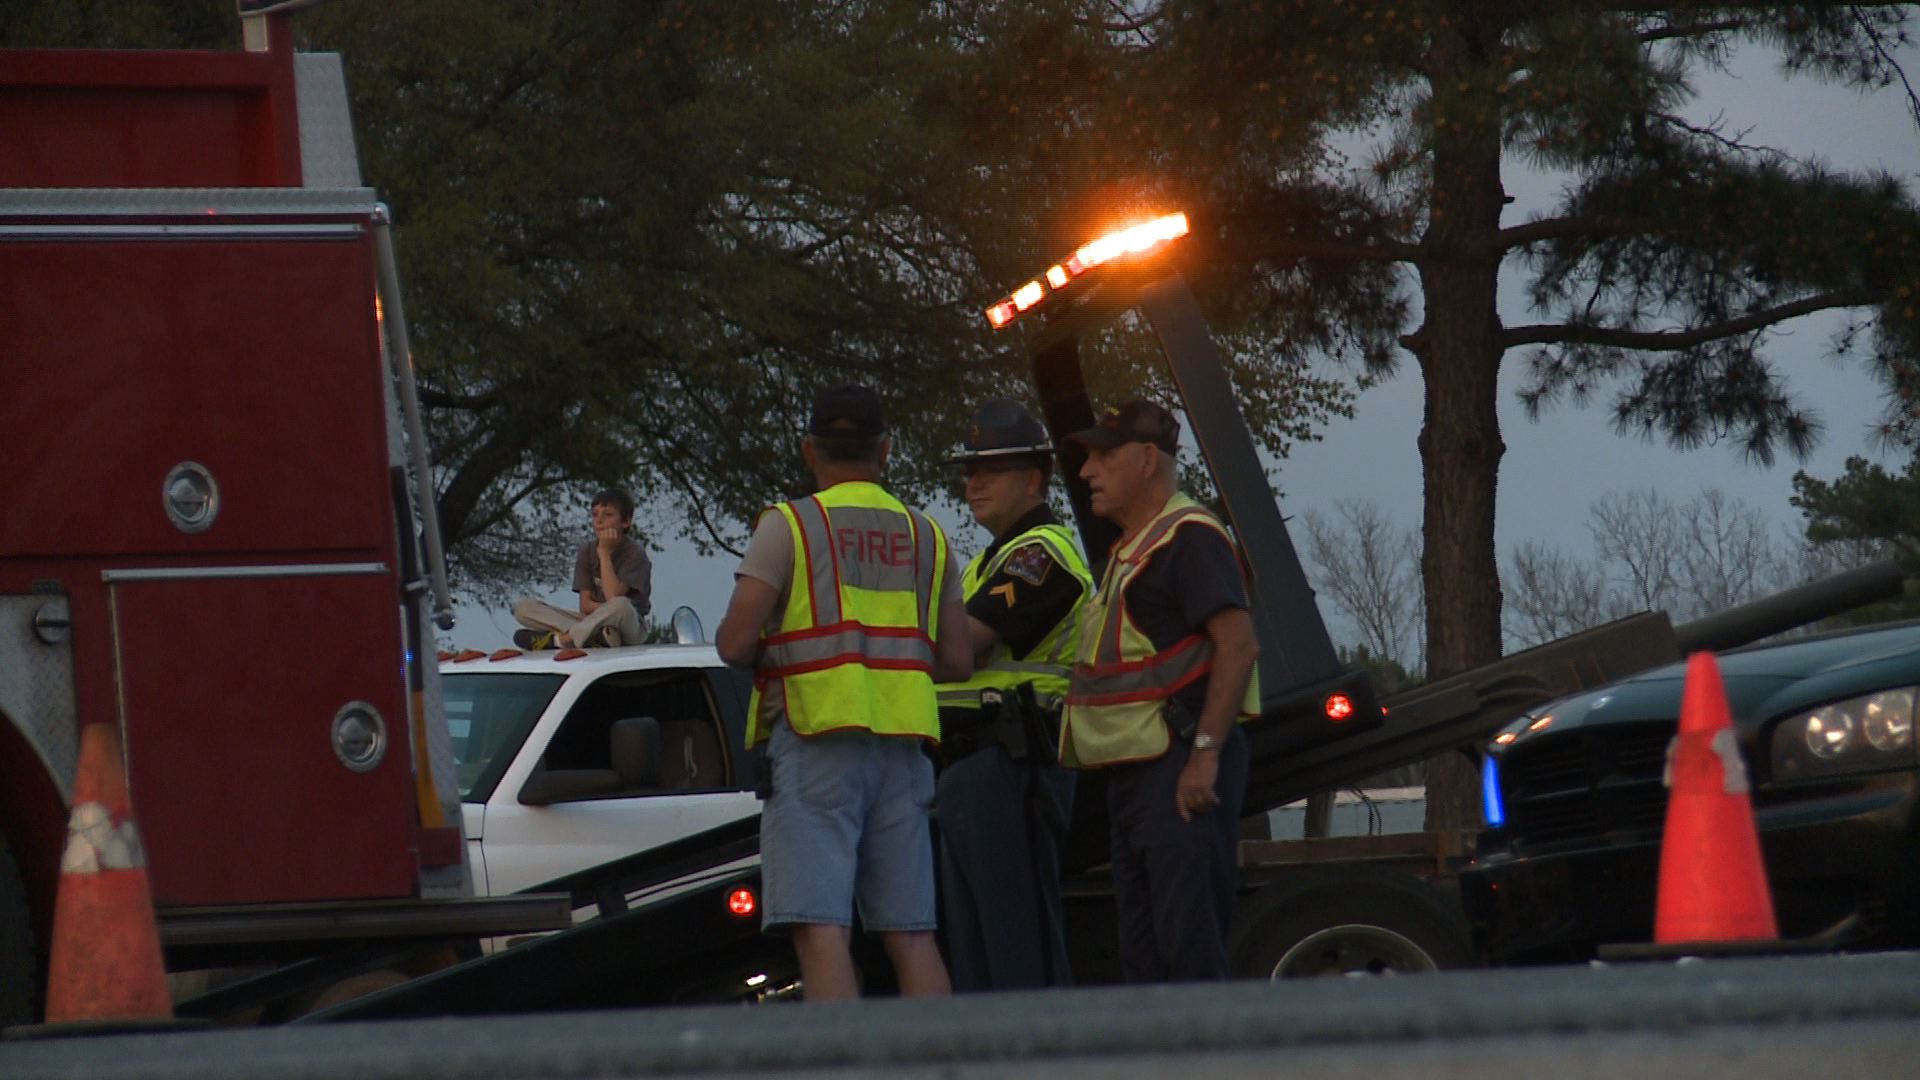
1030 563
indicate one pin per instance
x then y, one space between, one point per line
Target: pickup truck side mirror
548 786
686 626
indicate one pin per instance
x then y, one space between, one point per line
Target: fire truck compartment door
250 351
230 689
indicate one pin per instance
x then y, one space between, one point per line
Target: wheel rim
1352 949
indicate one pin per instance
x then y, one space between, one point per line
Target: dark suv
1575 800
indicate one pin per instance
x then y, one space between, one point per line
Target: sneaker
533 639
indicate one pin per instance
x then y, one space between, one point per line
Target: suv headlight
1862 734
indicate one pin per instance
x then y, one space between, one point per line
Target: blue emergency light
1495 807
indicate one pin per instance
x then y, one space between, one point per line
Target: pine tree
1674 254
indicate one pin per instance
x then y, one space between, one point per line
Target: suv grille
1589 784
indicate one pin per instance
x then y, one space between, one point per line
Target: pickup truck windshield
489 716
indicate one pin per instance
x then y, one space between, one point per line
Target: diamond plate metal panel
36 685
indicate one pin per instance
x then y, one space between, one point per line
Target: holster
762 772
1039 727
1013 720
1181 721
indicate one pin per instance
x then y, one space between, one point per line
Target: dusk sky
1554 468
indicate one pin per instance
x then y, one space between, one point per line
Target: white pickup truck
565 764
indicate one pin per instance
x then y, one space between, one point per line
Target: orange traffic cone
106 962
1713 886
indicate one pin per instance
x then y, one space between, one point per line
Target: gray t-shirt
769 558
630 564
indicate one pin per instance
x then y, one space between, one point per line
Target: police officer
1002 801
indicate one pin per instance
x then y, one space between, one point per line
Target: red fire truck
209 533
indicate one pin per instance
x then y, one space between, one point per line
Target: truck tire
1356 920
19 967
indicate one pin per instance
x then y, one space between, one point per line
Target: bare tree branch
1676 340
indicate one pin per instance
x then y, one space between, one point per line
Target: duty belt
1015 720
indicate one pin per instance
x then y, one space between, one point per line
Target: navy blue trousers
1000 871
1174 880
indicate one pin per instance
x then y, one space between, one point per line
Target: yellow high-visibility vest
855 645
1048 662
1120 683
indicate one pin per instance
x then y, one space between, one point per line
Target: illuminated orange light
1540 724
1339 707
1505 737
1133 241
742 902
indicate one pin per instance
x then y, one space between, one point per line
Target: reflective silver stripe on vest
874 548
816 650
1064 644
1120 573
862 544
1156 678
926 553
817 553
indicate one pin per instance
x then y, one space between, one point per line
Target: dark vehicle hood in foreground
1762 681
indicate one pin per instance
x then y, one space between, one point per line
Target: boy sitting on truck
614 579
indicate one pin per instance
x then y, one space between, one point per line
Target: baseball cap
1132 421
848 411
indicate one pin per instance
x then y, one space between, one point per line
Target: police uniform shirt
1030 593
1190 580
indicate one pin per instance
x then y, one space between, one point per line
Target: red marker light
1001 314
742 902
1338 707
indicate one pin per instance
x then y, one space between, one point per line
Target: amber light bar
1133 240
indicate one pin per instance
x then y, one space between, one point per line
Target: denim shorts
847 824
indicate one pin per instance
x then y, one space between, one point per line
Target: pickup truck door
602 812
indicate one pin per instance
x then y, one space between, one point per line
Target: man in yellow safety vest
1002 803
1165 667
847 606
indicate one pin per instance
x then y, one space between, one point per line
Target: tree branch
1880 49
1669 32
1383 251
1533 232
1676 340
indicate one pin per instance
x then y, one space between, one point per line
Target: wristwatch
1204 741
